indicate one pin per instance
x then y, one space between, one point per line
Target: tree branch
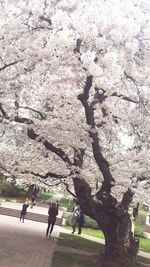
58 151
78 157
47 175
124 97
8 65
68 190
43 116
23 120
48 20
126 200
100 160
16 118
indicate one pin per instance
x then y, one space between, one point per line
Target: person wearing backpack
75 218
80 222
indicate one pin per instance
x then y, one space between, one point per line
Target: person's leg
73 228
20 217
79 229
23 218
52 226
47 231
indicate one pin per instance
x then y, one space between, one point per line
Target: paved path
18 206
37 213
24 244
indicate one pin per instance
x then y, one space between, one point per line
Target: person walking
52 213
23 211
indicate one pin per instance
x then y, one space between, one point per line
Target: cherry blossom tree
74 106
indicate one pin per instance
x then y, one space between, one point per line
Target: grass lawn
68 203
144 243
67 240
88 231
45 196
61 259
66 259
143 213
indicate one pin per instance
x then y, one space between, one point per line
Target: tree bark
113 219
120 246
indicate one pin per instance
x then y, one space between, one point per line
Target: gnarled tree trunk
120 246
113 219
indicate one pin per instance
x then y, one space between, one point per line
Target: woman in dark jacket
23 211
52 212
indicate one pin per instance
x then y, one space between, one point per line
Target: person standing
23 211
80 222
32 201
52 213
136 211
75 218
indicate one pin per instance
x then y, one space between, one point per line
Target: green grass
144 243
67 240
64 259
143 213
88 231
45 196
67 203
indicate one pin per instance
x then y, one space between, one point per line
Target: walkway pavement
24 244
37 213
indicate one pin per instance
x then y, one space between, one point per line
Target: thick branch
78 157
47 175
78 45
83 193
68 190
58 151
127 199
100 160
23 120
48 20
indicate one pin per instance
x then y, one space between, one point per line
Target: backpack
77 215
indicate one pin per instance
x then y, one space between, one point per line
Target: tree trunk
120 246
113 219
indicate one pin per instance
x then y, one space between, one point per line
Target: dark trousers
79 227
22 216
50 226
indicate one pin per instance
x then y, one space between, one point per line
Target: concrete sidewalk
24 244
37 213
18 206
